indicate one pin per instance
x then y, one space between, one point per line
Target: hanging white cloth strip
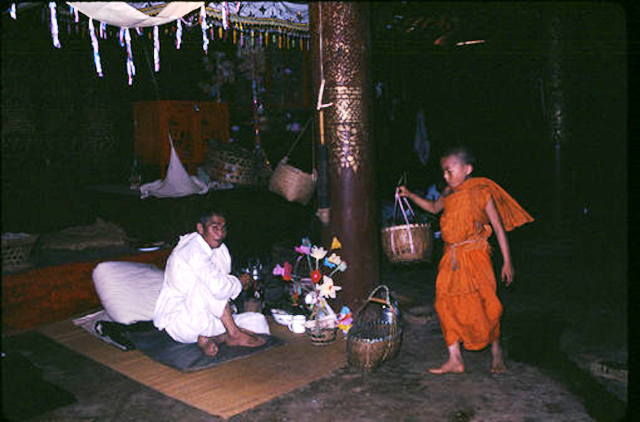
103 30
54 25
12 11
131 68
156 49
179 35
94 43
225 15
125 15
205 39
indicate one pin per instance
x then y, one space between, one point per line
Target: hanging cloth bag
290 182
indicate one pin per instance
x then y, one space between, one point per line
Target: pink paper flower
305 250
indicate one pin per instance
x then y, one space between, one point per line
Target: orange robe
466 300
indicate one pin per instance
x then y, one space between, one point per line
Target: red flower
316 276
287 272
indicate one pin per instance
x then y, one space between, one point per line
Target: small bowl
281 317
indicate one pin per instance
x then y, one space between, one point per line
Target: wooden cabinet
192 125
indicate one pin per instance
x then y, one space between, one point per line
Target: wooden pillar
555 109
342 29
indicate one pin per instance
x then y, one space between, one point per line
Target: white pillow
128 290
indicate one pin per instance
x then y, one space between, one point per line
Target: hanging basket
371 342
408 243
292 183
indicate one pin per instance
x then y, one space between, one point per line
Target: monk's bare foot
208 346
244 338
449 367
497 364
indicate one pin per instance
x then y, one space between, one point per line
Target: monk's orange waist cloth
466 300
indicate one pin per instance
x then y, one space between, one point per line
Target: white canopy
126 15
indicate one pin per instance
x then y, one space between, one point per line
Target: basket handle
371 298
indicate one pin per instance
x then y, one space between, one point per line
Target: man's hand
245 279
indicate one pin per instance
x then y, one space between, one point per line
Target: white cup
297 324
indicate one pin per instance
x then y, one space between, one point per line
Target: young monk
466 300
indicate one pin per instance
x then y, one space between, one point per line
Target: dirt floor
566 309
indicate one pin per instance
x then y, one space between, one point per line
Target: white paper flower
311 298
318 253
327 289
335 259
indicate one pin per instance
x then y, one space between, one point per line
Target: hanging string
54 25
76 18
121 37
131 68
205 39
179 35
103 30
94 43
12 11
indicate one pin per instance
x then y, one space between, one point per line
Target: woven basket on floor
321 331
369 343
16 251
292 183
408 242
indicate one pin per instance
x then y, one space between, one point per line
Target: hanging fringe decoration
156 49
103 30
12 11
54 25
76 18
121 37
94 43
205 39
139 31
179 35
131 68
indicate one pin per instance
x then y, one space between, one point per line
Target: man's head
212 226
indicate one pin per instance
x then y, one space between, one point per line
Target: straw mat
224 390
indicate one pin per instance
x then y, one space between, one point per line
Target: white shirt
196 288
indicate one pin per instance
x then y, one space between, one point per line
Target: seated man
193 305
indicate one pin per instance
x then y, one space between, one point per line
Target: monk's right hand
403 191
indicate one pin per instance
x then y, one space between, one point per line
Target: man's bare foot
208 346
448 367
244 338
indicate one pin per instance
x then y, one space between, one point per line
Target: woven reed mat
224 390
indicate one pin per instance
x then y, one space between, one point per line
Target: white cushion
128 290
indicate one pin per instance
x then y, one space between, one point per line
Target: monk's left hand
507 273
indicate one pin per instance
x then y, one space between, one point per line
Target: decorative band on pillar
349 141
344 51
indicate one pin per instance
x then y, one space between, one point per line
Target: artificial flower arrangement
319 284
